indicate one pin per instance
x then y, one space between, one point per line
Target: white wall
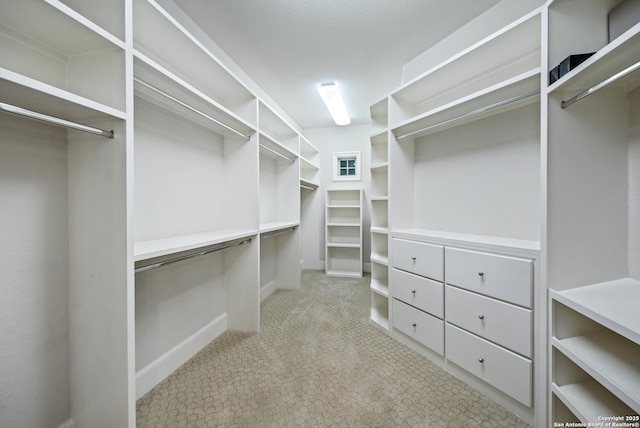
328 141
484 25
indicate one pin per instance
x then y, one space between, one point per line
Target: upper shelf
272 148
379 116
509 52
58 51
277 128
159 85
484 103
612 58
309 153
162 39
612 304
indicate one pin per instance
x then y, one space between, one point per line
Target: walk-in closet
192 236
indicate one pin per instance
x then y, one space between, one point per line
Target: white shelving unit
464 169
379 200
593 277
343 233
124 235
64 195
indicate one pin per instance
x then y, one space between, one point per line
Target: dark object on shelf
622 17
568 64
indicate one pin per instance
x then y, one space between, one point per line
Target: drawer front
419 325
416 257
505 278
423 293
503 323
509 372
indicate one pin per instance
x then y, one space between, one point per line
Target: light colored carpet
317 362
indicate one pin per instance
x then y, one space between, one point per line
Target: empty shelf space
589 401
608 358
612 304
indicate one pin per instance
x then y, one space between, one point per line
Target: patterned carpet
316 363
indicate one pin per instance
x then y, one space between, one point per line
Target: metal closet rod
308 187
606 82
471 113
54 120
188 107
274 152
278 232
189 256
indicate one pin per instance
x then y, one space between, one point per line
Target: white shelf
343 273
379 166
145 250
519 85
279 225
380 259
614 304
342 245
495 243
379 198
272 124
380 230
610 360
380 288
163 79
513 50
271 147
308 183
589 401
379 113
380 318
614 57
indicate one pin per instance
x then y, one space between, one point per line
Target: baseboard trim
170 361
66 424
268 289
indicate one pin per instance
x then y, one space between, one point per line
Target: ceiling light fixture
333 100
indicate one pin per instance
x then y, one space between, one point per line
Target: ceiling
289 47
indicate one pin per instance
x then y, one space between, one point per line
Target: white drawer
509 372
419 258
503 323
505 278
417 291
424 328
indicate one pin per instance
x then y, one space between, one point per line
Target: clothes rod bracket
471 113
190 108
606 82
189 256
54 120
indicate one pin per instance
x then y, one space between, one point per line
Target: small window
346 166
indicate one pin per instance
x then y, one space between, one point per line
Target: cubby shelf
589 401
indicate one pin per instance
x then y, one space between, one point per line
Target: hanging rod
188 107
278 232
274 152
308 187
471 113
189 256
54 120
606 82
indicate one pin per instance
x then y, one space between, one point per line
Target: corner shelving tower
343 233
592 234
379 140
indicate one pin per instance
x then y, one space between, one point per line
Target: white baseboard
162 367
66 424
268 289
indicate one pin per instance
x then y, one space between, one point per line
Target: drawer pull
481 360
481 317
413 258
413 324
481 274
413 291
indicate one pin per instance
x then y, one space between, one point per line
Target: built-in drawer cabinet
423 293
420 326
505 370
503 323
419 258
502 277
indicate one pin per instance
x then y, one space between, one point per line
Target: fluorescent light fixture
333 100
